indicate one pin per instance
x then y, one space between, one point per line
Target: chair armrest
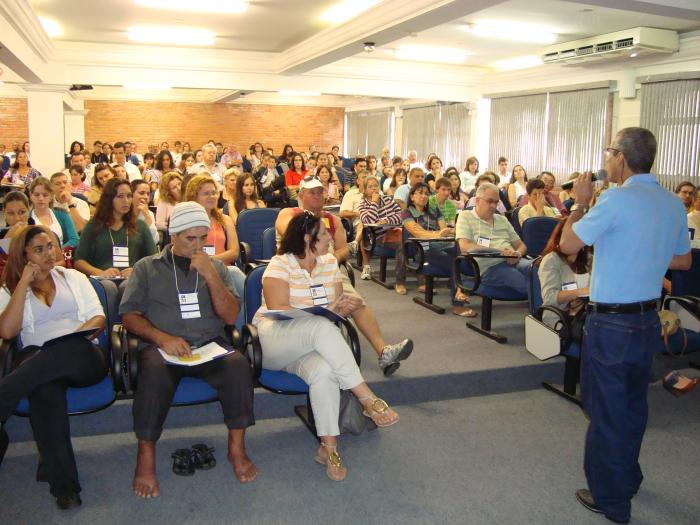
471 261
245 253
369 238
118 360
353 340
349 271
421 255
563 327
251 349
130 357
235 337
6 356
689 302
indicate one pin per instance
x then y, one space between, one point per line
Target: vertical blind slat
368 132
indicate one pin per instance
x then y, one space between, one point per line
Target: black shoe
68 500
4 443
41 475
585 498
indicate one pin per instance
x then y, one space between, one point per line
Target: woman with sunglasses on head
39 303
304 274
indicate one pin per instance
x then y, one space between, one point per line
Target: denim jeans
616 360
508 277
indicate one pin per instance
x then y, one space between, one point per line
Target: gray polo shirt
501 234
151 290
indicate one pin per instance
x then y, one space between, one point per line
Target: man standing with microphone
622 330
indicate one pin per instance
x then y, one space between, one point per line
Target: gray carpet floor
500 459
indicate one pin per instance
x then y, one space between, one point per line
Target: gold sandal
334 466
378 407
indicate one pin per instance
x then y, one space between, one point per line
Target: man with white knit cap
175 300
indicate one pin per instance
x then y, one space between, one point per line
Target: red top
293 178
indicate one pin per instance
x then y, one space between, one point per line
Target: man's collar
640 178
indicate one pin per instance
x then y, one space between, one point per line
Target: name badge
326 223
567 287
189 306
318 294
209 250
483 241
120 256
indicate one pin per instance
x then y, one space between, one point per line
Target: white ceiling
280 44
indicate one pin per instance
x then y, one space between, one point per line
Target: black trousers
230 376
43 375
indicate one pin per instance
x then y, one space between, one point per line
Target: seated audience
77 209
331 186
693 218
376 208
550 195
107 152
222 240
246 197
149 162
564 278
98 156
227 196
151 310
433 171
423 222
141 193
490 177
686 193
103 172
397 179
17 215
39 303
469 175
271 183
77 180
164 164
293 176
208 164
311 199
517 188
313 347
186 162
441 200
42 197
21 173
415 176
536 205
570 194
169 191
482 228
503 174
457 196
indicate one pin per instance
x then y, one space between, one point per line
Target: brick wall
154 122
14 127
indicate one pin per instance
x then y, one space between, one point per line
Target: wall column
46 127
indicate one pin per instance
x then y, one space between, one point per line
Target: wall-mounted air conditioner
630 43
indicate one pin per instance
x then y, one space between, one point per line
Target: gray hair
209 145
638 145
484 186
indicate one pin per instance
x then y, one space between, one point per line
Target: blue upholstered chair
467 265
515 222
269 243
685 301
250 226
276 381
571 351
416 262
87 399
369 238
536 233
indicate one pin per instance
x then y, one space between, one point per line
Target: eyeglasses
610 149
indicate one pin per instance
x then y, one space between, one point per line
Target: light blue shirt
402 192
635 230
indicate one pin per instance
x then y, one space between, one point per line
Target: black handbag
351 419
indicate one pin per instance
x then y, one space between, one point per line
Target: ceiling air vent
624 43
586 50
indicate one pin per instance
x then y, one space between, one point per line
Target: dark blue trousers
616 360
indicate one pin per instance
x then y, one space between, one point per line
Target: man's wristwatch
581 207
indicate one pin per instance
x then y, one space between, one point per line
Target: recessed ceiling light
513 31
149 86
298 93
346 10
512 64
431 54
198 6
52 28
633 55
171 35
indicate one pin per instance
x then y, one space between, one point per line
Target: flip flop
457 310
182 462
203 456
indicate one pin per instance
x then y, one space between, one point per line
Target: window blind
368 132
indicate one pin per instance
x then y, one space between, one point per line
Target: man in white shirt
350 205
78 209
503 174
413 159
209 165
415 176
78 159
119 154
177 154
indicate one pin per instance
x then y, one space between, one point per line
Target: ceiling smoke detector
369 47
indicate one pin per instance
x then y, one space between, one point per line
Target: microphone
599 175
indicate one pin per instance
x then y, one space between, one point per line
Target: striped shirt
286 267
387 208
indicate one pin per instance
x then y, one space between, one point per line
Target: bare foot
145 481
244 469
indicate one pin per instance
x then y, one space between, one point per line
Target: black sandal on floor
203 456
183 465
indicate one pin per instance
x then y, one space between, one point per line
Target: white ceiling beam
386 22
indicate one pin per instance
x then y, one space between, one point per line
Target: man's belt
623 308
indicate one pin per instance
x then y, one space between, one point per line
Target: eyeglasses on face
611 152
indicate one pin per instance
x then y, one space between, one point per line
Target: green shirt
448 209
500 235
95 245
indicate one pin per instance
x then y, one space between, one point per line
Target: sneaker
352 248
392 354
366 273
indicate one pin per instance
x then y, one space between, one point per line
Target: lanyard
480 221
109 230
196 284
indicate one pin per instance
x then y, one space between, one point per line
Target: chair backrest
687 282
250 226
102 295
534 291
252 295
269 243
516 223
503 195
79 196
536 233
